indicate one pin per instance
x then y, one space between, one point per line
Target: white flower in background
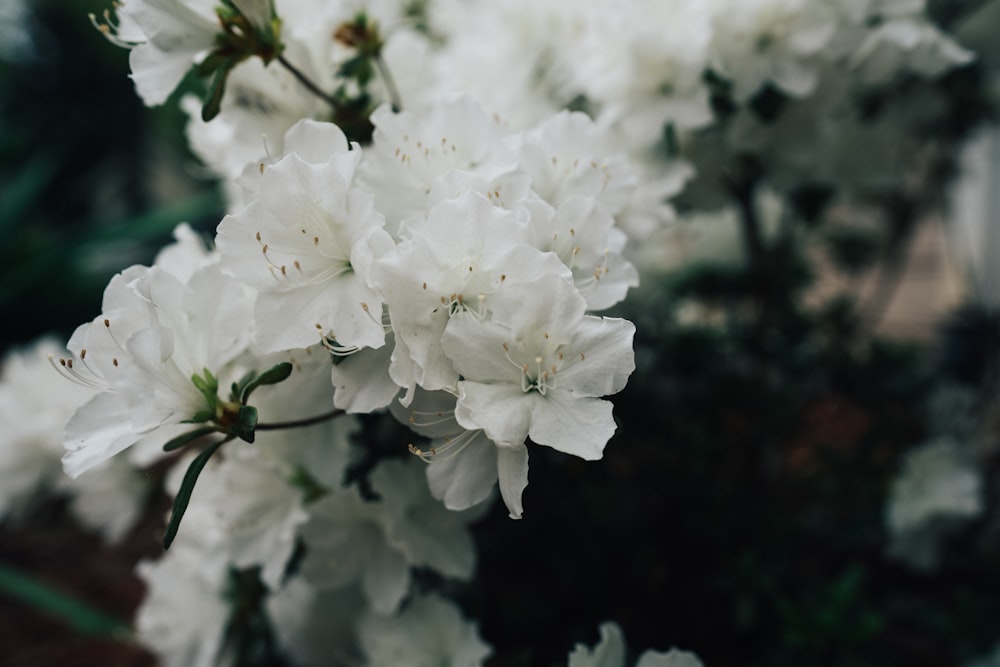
906 44
756 42
974 210
416 523
526 37
937 490
567 155
351 540
610 652
154 334
185 611
539 368
316 627
261 104
306 242
166 38
34 406
110 500
412 150
428 631
643 67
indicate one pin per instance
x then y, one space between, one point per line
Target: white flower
467 251
306 242
375 543
184 613
316 627
539 368
770 41
416 523
35 404
412 150
463 466
936 481
429 631
936 491
166 38
110 499
610 652
154 334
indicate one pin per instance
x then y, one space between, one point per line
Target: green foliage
183 496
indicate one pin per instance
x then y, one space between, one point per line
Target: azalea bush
432 249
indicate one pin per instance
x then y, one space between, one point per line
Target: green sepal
183 496
359 68
209 383
239 387
200 417
247 422
217 90
181 440
273 375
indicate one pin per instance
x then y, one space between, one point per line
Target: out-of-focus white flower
35 404
316 627
756 42
110 499
166 38
183 616
375 543
428 631
610 652
937 489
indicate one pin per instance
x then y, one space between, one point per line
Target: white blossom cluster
446 272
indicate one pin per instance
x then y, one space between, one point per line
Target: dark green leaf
273 375
248 422
187 488
217 90
182 440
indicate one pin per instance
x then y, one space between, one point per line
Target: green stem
390 83
44 598
300 423
308 83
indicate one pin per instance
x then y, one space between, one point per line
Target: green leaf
181 440
248 422
273 375
217 89
42 597
187 488
200 417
